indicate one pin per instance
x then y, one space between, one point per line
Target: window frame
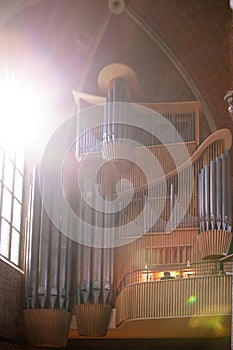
4 154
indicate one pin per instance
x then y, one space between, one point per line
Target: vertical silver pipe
44 244
33 243
105 121
96 264
65 255
78 150
81 134
78 253
224 192
54 246
86 251
212 194
144 216
62 269
108 257
54 266
219 192
229 191
85 272
66 248
105 257
69 274
207 196
201 200
28 284
110 110
172 205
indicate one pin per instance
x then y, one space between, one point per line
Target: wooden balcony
187 307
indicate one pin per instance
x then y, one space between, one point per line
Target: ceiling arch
192 36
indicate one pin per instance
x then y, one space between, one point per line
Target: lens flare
192 299
22 111
217 325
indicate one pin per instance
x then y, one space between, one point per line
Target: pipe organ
49 266
215 209
148 195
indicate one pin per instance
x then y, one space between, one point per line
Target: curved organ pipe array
215 209
169 203
215 206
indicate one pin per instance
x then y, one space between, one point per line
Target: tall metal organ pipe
229 191
32 256
212 194
219 192
207 196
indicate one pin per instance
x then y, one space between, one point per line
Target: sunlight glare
20 111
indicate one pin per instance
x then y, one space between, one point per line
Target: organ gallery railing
155 272
186 297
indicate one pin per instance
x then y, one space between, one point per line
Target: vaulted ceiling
180 50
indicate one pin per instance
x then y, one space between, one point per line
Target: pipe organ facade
139 193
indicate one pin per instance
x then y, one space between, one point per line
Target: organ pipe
43 264
96 267
47 319
215 194
33 242
108 262
54 248
212 194
224 191
207 196
48 283
219 192
172 203
201 200
63 283
53 266
229 191
69 276
78 258
85 264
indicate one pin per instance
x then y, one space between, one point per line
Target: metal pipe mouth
119 70
116 6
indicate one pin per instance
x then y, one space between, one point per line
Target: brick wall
197 32
10 302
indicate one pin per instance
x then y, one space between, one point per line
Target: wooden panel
135 255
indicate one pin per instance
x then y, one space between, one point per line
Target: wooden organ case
151 198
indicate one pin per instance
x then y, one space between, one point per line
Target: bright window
11 203
23 102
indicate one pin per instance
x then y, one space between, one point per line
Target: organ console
144 188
